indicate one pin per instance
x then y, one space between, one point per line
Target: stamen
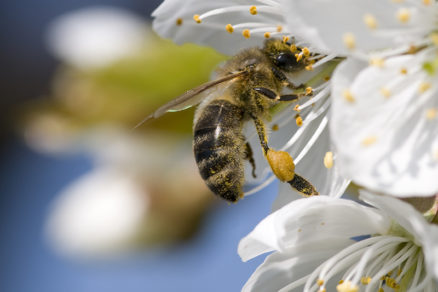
424 86
427 2
320 282
179 21
285 39
348 96
365 280
434 38
309 67
347 286
267 35
431 113
279 28
404 71
370 21
299 120
328 159
349 40
246 33
377 62
197 18
293 48
370 140
385 92
253 10
298 57
309 90
297 108
229 28
275 127
306 52
403 15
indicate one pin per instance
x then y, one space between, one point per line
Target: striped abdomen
219 148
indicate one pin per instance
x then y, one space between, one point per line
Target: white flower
385 99
95 37
321 240
232 25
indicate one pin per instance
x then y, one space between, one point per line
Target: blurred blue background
30 181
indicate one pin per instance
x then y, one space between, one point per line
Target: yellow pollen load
377 62
347 287
267 35
196 18
279 28
349 40
434 38
365 280
368 141
179 21
348 96
246 33
253 10
299 120
328 160
282 164
320 282
431 113
229 28
424 86
370 21
285 39
403 15
403 71
385 92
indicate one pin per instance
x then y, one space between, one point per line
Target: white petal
280 269
386 141
425 234
324 23
309 220
212 31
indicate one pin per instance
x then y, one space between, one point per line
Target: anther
320 282
403 15
306 52
246 33
309 67
385 92
285 39
365 280
424 86
328 159
309 90
370 140
434 38
349 40
293 48
347 287
299 120
275 127
404 71
298 57
253 10
196 18
377 62
229 28
179 21
370 21
297 108
431 113
279 28
348 96
426 2
267 35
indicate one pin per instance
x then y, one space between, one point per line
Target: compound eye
286 60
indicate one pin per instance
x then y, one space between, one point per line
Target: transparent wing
189 98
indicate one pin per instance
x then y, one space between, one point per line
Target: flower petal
344 26
281 269
309 220
384 127
174 20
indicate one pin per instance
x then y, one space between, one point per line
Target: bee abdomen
219 148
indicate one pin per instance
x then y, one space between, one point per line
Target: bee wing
189 98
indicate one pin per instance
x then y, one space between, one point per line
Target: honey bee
247 87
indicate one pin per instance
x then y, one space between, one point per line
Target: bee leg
272 95
283 78
282 164
249 156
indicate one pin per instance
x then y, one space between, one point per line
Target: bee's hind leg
282 164
249 156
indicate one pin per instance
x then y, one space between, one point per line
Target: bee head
285 56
